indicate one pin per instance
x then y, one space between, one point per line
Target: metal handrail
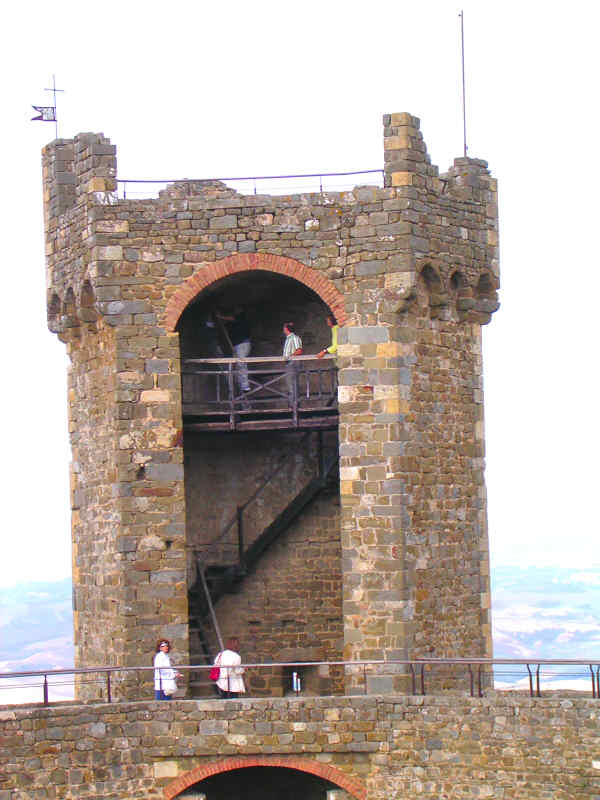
357 666
254 178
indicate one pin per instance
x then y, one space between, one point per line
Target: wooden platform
298 394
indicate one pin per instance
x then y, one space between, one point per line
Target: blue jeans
160 695
242 350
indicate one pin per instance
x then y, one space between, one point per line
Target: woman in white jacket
164 675
230 682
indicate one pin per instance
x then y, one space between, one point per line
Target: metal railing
231 536
471 675
251 180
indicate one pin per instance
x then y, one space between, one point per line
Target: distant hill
36 626
537 612
547 613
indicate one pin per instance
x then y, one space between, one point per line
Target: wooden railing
299 392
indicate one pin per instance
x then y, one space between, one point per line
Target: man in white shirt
291 347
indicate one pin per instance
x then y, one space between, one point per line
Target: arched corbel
87 303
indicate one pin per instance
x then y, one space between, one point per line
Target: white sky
194 89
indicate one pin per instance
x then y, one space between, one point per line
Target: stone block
402 178
157 365
165 769
370 268
364 335
108 253
222 223
155 396
126 544
164 472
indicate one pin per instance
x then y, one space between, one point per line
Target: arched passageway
247 460
268 299
266 778
261 783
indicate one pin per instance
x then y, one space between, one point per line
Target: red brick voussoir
243 262
353 786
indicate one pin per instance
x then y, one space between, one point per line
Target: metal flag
47 113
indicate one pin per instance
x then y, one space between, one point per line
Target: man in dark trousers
238 331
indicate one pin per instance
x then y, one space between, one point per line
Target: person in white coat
165 676
230 682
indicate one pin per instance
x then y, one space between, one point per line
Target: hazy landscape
538 613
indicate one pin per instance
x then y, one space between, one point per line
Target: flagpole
56 109
464 103
54 90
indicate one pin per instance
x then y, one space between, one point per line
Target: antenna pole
464 103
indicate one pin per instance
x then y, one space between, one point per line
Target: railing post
45 690
537 681
294 392
471 684
240 528
230 385
413 679
108 693
530 681
422 679
479 686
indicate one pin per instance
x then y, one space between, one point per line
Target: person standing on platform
230 682
238 331
165 677
332 349
291 347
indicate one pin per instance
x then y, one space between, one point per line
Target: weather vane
48 113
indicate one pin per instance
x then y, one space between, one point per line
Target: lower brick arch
353 786
242 262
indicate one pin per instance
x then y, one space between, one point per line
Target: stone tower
391 562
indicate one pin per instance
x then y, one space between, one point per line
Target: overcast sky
206 89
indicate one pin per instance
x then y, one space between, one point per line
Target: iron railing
251 180
472 675
231 537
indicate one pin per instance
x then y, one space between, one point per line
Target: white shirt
292 343
230 674
164 677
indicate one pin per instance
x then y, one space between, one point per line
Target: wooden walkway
299 394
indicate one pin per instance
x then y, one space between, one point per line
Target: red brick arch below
351 785
244 262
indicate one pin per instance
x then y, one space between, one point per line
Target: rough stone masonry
411 272
373 748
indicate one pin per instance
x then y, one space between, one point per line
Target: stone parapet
372 747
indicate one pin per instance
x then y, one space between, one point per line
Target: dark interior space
268 300
262 783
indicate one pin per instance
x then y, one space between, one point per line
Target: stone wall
374 747
411 272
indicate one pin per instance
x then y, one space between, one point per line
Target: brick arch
351 785
243 262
